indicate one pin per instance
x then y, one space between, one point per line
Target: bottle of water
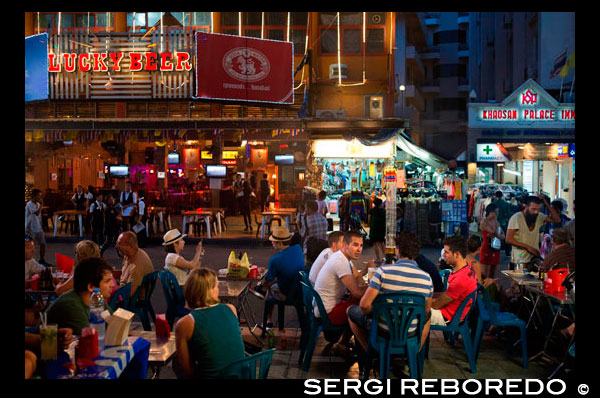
96 320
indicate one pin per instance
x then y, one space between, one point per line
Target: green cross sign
487 150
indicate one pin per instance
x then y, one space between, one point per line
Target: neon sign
138 61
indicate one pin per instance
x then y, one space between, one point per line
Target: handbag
495 243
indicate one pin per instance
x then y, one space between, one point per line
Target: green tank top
216 341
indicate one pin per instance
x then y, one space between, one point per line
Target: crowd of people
209 337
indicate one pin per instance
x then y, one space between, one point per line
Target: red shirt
460 284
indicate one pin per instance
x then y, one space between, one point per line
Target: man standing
136 263
338 276
238 192
128 200
524 230
283 268
97 219
405 276
33 222
334 239
461 282
314 225
265 191
570 228
72 309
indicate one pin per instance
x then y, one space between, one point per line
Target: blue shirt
405 276
285 266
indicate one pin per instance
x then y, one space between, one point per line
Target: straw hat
172 236
280 234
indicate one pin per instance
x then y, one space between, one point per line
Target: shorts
437 318
365 321
337 316
38 237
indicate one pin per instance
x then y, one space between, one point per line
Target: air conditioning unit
374 106
336 69
331 114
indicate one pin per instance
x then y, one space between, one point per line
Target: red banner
244 68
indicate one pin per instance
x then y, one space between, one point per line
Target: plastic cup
49 341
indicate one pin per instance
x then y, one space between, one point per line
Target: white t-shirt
32 267
318 264
33 222
329 284
179 273
524 235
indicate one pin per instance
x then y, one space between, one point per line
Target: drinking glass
49 341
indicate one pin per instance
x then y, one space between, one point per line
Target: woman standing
174 262
244 204
490 257
209 337
377 229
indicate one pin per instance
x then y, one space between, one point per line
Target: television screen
173 158
36 67
118 171
284 159
216 171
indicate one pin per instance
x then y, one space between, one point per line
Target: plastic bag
238 268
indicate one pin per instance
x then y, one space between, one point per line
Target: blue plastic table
129 361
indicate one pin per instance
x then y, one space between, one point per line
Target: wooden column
120 22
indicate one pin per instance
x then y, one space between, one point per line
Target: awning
425 156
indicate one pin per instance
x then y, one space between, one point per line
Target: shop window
229 19
352 41
252 33
140 20
66 20
299 40
252 18
46 20
275 34
276 18
351 28
375 38
233 32
299 18
105 19
201 19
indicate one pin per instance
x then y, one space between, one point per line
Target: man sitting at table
32 267
136 262
283 268
338 276
461 282
562 254
334 239
405 276
72 309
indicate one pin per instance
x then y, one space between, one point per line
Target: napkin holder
118 327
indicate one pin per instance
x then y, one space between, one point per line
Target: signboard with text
490 153
244 69
529 106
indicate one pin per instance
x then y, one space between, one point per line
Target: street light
402 89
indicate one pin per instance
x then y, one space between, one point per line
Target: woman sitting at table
209 338
84 249
174 262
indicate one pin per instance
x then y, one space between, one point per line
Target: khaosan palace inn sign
529 106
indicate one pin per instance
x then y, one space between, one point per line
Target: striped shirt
405 276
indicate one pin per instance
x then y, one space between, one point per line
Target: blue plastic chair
174 296
315 326
121 298
246 368
142 305
304 278
294 299
445 274
398 310
490 315
456 326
